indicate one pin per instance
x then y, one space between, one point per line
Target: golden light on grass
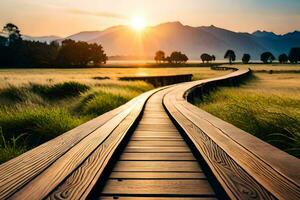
138 23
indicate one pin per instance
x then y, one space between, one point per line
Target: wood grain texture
158 166
154 198
157 150
157 175
165 143
157 156
158 187
158 138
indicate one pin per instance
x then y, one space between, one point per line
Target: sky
66 17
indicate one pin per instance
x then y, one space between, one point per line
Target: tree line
16 52
266 57
175 57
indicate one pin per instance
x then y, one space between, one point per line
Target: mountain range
193 41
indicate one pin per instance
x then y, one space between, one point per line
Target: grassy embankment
267 106
37 105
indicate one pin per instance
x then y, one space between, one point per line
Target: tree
97 55
246 58
80 54
168 59
294 56
14 34
213 57
177 57
283 58
159 56
267 57
206 57
230 55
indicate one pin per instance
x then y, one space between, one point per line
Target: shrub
39 124
60 90
13 93
100 102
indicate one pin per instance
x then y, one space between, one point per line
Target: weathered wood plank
157 150
158 187
157 166
154 198
158 138
157 127
165 143
156 175
157 156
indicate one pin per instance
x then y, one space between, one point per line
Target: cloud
97 14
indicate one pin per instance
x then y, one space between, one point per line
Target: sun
138 23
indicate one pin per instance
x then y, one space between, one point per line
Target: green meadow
267 106
37 105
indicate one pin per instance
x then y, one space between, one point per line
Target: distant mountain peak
171 24
263 33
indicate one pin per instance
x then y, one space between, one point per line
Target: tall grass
272 116
32 114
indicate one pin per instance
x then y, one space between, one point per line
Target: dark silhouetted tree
294 55
80 54
177 57
213 57
14 34
267 57
283 58
206 58
97 55
246 58
168 59
159 56
230 55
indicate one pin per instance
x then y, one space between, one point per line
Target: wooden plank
162 132
157 166
155 115
158 138
157 156
157 127
157 149
156 175
155 121
155 134
165 143
154 198
158 187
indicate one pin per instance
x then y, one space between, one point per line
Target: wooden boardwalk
157 162
157 146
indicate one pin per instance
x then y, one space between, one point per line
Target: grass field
268 106
18 77
37 105
268 67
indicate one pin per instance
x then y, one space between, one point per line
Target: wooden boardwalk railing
136 152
